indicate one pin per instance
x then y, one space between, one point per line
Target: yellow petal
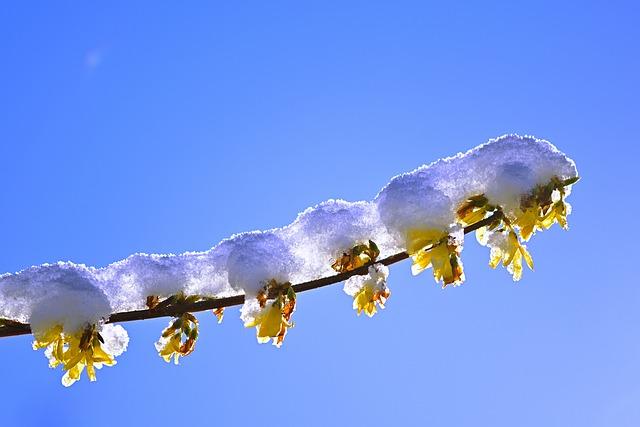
495 257
421 261
91 372
527 257
270 324
418 239
517 266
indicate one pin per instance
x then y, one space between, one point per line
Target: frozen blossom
91 347
376 278
370 290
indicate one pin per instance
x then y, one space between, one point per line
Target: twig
10 328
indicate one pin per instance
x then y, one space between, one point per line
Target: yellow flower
273 319
358 256
439 250
171 343
535 218
557 213
528 222
53 340
370 290
538 210
474 209
508 249
543 207
367 298
74 351
270 322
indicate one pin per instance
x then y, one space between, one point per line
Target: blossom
543 207
438 249
77 351
272 317
506 247
358 256
369 291
474 209
179 338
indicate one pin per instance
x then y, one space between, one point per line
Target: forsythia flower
370 290
506 247
357 257
272 319
538 210
76 351
440 250
544 207
474 209
171 344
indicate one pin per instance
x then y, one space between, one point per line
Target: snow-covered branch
12 328
504 190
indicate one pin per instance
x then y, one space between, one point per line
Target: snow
115 339
504 169
376 278
410 201
129 282
250 310
321 234
53 294
258 257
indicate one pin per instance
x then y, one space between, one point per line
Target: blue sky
159 128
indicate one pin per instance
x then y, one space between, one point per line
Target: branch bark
10 328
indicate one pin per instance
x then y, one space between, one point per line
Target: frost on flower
420 217
506 248
90 347
538 210
370 290
543 207
270 312
65 308
261 264
524 179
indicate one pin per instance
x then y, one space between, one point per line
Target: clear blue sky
162 128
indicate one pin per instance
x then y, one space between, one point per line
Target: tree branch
10 328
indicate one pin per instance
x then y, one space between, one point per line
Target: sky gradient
160 128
